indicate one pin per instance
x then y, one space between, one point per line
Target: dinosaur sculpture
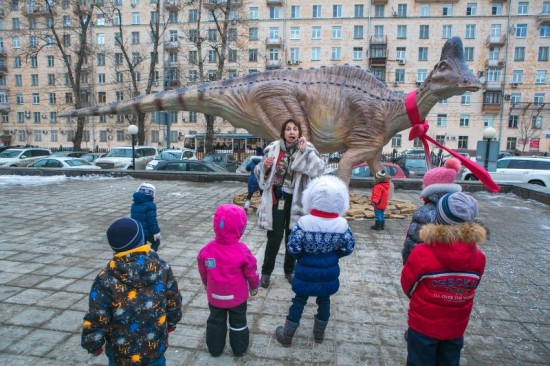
339 107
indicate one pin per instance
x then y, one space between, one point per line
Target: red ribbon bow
419 130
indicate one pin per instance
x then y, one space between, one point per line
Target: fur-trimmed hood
455 246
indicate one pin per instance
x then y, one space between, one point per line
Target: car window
541 165
503 164
176 166
196 167
187 154
148 152
10 153
40 163
39 153
518 164
415 163
361 171
168 155
54 164
390 170
120 153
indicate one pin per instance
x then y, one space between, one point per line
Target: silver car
22 156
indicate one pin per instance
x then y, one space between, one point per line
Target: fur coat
306 166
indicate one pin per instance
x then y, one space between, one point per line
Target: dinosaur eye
443 66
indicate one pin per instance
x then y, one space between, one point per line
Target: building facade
506 44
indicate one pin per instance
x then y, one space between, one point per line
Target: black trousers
281 222
216 330
155 244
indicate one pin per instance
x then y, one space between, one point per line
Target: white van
121 158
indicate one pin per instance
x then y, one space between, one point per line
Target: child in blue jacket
144 210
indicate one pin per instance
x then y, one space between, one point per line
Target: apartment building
506 44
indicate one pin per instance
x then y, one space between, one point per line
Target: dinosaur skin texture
339 107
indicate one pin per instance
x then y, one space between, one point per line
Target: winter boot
382 224
289 277
377 225
319 330
246 205
265 280
284 334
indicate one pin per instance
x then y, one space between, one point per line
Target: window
15 25
379 11
513 121
17 62
517 76
538 99
401 10
136 58
212 34
544 30
396 141
294 32
295 54
447 10
119 59
18 80
519 54
16 42
101 78
119 77
489 120
401 53
336 11
316 32
274 34
496 9
463 142
441 120
447 31
536 122
102 97
335 54
192 75
135 18
274 12
193 35
100 39
253 13
470 31
67 40
232 55
540 77
421 75
521 30
253 55
34 79
52 98
424 32
546 7
336 32
252 34
172 17
471 9
295 11
424 10
466 98
515 98
357 53
357 32
399 75
51 79
36 117
100 59
358 10
50 61
468 53
33 62
232 34
422 53
523 8
316 11
464 120
192 15
135 37
511 143
316 54
273 54
401 32
378 31
543 54
19 98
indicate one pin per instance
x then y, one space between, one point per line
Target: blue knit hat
456 208
125 234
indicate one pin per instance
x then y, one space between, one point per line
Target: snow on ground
33 180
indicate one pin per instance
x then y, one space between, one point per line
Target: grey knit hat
456 208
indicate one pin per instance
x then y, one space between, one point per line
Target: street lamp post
488 134
133 130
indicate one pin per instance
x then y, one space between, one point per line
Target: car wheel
471 177
537 182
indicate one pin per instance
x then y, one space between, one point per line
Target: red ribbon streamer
419 130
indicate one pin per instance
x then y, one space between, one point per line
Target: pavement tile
32 317
39 343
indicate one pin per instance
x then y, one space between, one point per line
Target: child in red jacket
379 198
440 278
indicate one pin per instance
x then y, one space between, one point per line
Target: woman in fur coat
287 167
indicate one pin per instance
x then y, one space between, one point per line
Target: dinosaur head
451 75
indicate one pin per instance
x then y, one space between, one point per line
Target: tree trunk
209 138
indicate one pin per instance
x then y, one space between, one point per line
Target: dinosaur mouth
472 88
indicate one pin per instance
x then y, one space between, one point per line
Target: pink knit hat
443 175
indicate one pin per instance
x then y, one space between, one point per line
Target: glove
97 352
156 236
171 329
253 291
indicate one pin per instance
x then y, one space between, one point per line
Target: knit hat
443 175
259 151
147 188
381 175
328 194
125 234
456 208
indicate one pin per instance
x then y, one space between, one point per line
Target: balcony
499 40
36 10
379 40
493 85
171 45
490 107
379 2
172 65
436 1
4 107
274 42
543 18
494 63
172 4
274 2
273 64
210 4
492 101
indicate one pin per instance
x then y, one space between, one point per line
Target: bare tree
531 127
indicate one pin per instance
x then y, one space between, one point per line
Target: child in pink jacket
229 272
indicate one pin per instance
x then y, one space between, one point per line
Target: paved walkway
52 244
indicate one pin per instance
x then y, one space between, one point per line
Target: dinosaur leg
374 162
352 157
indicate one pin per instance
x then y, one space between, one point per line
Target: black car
189 166
413 167
226 160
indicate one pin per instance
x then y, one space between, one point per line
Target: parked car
22 156
363 171
72 154
61 162
91 157
171 154
413 153
190 166
121 158
504 154
226 160
413 167
518 169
